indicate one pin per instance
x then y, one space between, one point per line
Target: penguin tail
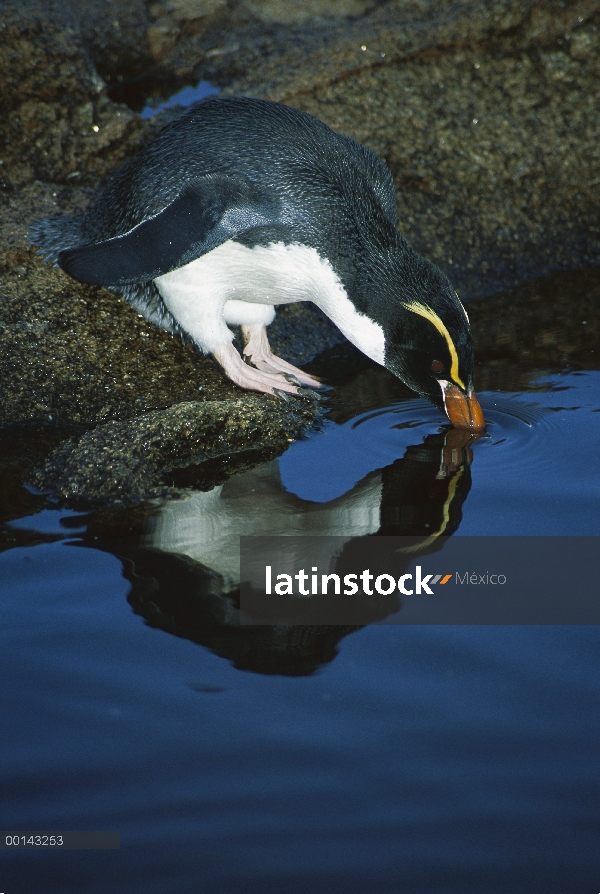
147 300
55 234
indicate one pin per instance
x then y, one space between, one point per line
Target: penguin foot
257 351
247 376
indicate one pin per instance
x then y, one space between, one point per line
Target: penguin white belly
207 526
240 285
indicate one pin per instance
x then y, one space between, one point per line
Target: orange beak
463 411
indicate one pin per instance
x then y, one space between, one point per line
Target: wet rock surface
485 113
119 463
547 324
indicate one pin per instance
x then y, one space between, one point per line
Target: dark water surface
425 760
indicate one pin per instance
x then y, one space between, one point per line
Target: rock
551 323
110 33
161 39
283 13
584 43
121 463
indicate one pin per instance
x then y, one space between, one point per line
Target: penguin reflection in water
240 205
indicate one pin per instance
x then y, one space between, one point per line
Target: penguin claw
313 391
282 394
309 394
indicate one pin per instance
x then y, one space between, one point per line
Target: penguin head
429 345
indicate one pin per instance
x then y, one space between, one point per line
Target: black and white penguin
240 205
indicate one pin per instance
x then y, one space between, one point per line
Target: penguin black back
294 152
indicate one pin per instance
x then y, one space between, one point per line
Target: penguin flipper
205 215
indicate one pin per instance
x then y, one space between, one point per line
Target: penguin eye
437 367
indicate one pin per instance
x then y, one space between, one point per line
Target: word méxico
475 579
385 584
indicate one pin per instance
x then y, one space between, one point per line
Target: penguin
240 205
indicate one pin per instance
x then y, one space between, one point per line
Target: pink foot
247 376
258 351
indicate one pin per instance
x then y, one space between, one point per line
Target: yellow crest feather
423 311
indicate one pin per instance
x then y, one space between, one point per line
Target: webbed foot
249 377
257 351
